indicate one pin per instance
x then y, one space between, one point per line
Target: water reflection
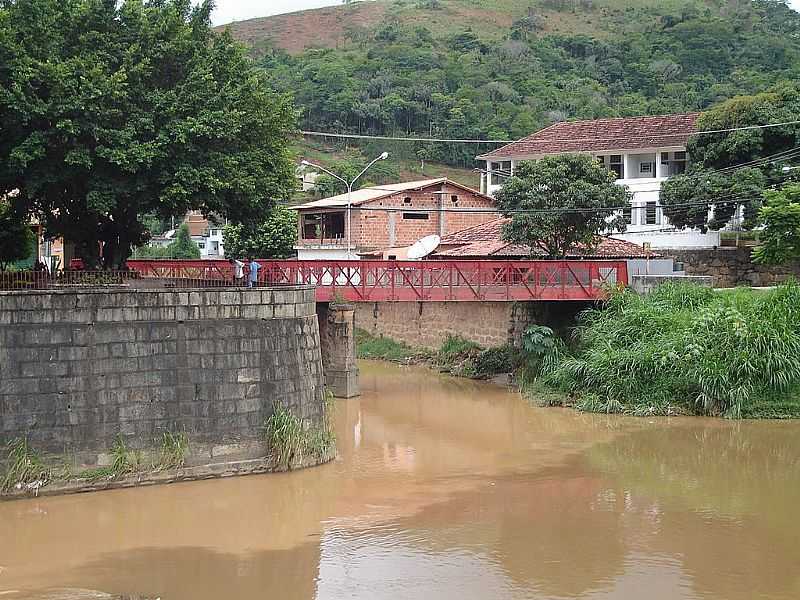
447 489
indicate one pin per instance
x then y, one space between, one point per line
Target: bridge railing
433 280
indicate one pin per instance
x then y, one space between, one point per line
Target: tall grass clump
290 440
684 348
174 448
25 466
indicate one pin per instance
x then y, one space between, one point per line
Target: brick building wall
373 228
79 368
731 267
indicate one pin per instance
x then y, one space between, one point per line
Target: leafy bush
494 361
684 348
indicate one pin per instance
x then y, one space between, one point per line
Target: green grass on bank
456 355
386 348
687 349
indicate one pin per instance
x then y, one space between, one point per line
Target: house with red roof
485 242
642 151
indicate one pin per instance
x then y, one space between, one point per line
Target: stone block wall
731 267
79 368
427 324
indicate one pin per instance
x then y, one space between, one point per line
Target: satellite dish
424 247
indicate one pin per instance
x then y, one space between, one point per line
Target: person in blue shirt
252 277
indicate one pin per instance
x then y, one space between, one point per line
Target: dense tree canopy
419 73
780 239
16 237
112 110
562 202
730 170
273 237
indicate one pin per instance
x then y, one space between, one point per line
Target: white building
642 151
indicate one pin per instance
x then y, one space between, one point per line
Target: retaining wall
731 267
428 324
79 368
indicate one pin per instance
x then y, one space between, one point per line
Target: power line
550 140
354 136
554 210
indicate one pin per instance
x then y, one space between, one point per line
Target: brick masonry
378 229
428 324
79 368
731 267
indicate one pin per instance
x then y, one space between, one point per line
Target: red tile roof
482 241
628 133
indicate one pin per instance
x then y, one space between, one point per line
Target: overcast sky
238 10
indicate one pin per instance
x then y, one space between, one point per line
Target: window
673 163
500 171
454 200
407 200
415 216
678 165
201 245
651 214
646 168
323 226
627 214
613 162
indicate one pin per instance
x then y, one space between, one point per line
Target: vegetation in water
24 466
685 348
291 440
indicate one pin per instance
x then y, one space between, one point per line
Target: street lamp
349 185
787 169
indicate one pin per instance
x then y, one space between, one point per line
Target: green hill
500 69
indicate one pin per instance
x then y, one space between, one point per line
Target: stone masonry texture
731 267
79 368
428 324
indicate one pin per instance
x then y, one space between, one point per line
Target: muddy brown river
445 489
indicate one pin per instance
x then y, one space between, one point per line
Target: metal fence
362 280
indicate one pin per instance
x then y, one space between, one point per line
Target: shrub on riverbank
456 355
685 348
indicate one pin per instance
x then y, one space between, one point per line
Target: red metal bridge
411 281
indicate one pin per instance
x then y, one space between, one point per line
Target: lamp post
349 185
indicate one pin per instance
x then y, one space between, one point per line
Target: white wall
646 189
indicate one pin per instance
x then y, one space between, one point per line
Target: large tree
16 236
780 239
112 110
273 237
731 169
559 203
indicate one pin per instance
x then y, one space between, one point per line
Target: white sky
238 10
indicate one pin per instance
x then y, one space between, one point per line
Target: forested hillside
499 69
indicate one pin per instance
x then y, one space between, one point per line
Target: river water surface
445 489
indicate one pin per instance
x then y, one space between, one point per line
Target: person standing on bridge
238 271
252 277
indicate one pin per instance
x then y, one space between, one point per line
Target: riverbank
681 350
288 444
